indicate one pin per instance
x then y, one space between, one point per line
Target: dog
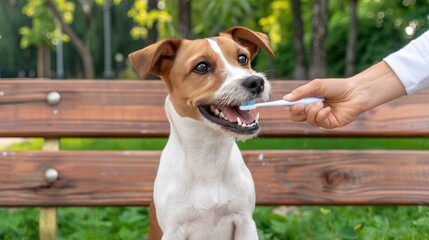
203 189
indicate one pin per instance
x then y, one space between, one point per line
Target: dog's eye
243 59
202 68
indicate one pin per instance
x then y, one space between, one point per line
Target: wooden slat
87 108
135 109
297 177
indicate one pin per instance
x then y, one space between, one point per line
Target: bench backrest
135 109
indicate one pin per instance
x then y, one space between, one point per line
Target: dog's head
208 79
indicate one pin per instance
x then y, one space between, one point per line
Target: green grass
282 223
274 223
258 143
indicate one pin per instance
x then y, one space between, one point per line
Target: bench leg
48 224
48 216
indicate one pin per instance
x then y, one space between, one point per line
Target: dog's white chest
206 203
203 189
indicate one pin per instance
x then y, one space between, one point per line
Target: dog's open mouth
231 118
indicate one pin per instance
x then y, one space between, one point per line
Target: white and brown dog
203 189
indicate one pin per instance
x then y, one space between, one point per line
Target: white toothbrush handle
305 101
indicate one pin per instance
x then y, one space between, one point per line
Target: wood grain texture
293 177
135 109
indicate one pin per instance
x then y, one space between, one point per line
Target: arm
403 72
411 64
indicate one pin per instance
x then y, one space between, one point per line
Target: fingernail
287 97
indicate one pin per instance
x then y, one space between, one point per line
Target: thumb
307 90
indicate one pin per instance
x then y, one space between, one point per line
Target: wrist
377 85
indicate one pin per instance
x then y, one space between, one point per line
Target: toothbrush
252 104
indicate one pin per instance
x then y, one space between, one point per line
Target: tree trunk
83 50
351 42
318 52
153 32
185 21
298 42
43 61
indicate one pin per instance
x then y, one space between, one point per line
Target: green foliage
103 223
382 27
342 223
274 24
274 223
18 223
44 29
145 19
212 17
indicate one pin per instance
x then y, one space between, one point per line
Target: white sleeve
411 64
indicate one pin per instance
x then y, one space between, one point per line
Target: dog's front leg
245 228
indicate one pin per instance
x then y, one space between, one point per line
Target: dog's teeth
243 125
212 108
239 121
221 115
257 118
216 112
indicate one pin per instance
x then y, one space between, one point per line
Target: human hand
345 98
343 103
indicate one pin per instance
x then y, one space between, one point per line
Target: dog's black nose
254 84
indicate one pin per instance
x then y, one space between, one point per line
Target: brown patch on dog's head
252 40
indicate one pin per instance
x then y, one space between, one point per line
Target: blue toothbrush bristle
248 103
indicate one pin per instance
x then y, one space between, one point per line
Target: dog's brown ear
155 58
250 39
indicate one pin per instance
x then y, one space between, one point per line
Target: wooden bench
135 109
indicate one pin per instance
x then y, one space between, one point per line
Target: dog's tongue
231 113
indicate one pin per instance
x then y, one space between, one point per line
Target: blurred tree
184 22
319 31
82 47
351 41
147 19
44 32
153 31
299 71
386 26
272 23
277 26
217 16
14 61
383 27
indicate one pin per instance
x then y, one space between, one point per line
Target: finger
327 119
310 89
322 118
312 111
297 109
298 113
